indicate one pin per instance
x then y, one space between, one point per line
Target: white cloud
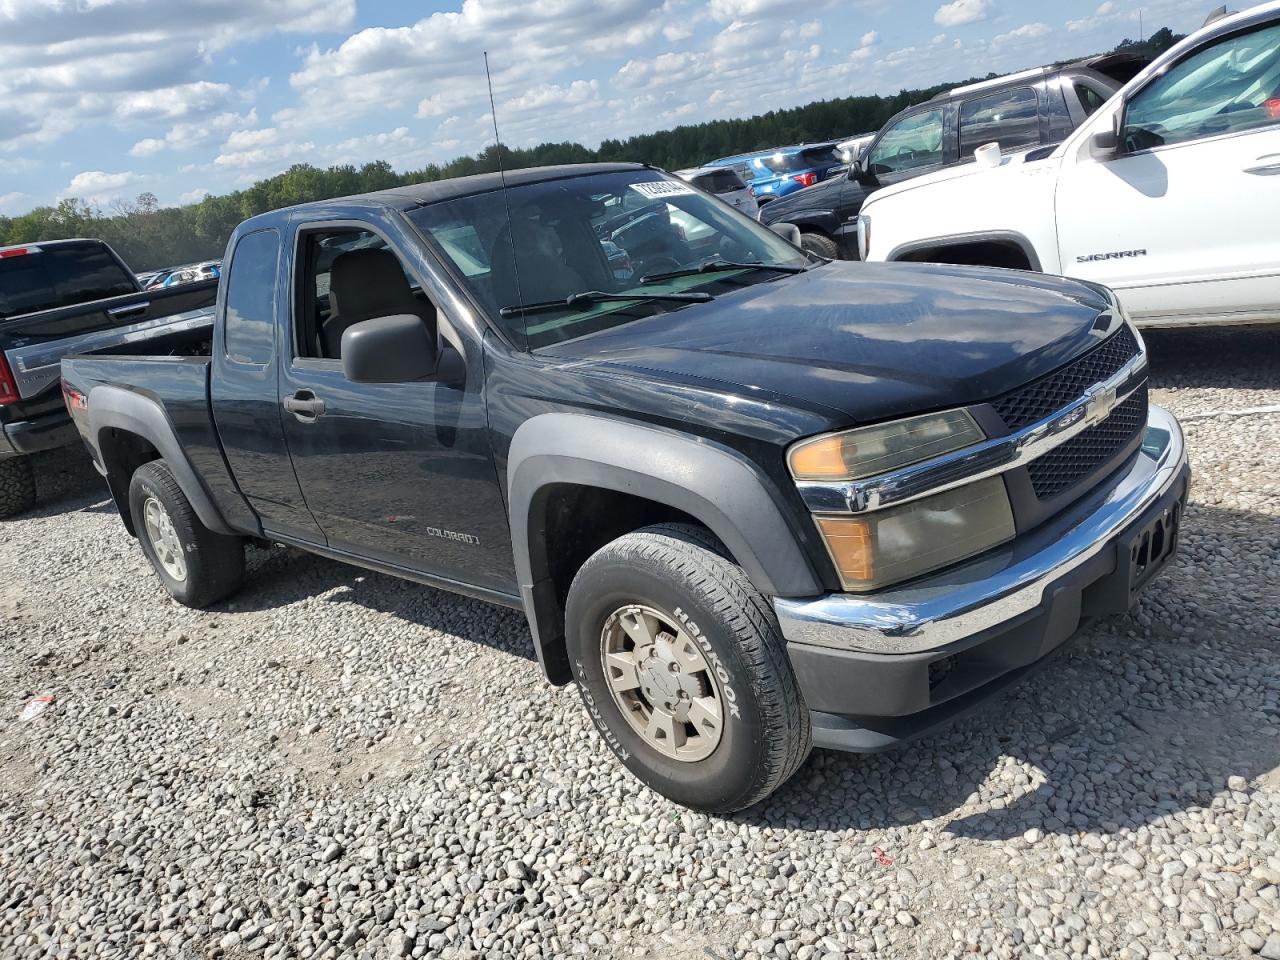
190 135
192 196
1105 14
383 69
960 12
1028 31
729 10
868 38
15 202
98 187
248 139
549 94
68 65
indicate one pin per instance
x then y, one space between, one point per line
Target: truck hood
872 341
1011 164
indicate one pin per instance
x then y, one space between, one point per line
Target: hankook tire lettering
721 673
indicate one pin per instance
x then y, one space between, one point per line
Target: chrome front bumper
1002 585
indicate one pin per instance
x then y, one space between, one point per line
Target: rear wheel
17 486
197 566
823 246
682 668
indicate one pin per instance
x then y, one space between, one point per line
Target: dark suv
1020 111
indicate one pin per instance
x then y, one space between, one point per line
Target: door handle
128 310
304 405
1266 169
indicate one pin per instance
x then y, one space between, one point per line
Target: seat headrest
368 283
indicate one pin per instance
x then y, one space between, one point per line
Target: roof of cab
435 191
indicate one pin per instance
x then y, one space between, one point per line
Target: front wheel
816 243
197 566
682 667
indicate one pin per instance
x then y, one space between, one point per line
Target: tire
681 573
17 486
211 564
821 245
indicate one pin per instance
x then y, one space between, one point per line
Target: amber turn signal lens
820 460
850 544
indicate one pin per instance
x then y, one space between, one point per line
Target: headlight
869 451
874 549
864 235
887 546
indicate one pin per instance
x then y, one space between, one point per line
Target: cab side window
346 276
249 327
913 142
1090 99
1010 118
1228 87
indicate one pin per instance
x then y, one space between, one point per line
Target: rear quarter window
249 327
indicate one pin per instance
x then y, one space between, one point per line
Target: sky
106 99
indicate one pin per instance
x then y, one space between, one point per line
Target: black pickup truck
70 296
751 501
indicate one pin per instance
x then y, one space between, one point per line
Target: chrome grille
1066 465
1041 398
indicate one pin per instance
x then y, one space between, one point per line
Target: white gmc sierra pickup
1169 194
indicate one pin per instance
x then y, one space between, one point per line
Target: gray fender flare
710 482
116 408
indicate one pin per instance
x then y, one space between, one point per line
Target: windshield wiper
716 266
577 301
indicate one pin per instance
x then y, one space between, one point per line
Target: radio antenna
502 175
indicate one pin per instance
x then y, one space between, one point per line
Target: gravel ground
342 764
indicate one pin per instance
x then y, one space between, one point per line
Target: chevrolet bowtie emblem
1099 402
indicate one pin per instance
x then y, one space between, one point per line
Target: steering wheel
658 264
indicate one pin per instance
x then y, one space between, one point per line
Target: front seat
538 273
364 284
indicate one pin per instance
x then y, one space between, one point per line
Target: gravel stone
338 764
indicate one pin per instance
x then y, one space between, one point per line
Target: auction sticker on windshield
661 189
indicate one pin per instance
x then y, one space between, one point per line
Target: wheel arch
678 476
130 429
1011 240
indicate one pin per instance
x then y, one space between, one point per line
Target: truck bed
176 376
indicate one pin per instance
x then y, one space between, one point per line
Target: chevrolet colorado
751 501
68 296
1169 194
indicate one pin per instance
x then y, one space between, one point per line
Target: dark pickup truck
751 501
70 296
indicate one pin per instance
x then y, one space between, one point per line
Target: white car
725 183
1169 193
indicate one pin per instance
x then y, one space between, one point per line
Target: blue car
783 170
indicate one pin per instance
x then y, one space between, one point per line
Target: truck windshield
599 233
61 275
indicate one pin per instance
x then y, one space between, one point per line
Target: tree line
149 236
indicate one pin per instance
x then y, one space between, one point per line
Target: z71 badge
1113 255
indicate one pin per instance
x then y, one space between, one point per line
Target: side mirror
787 231
1104 144
857 171
395 349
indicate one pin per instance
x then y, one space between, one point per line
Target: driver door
1182 221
